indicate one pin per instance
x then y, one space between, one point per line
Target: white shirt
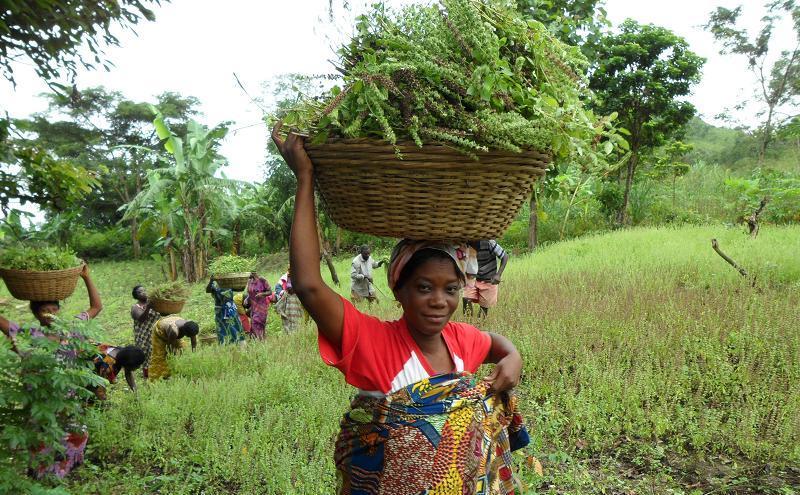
360 274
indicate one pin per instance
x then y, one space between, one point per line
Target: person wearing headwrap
483 275
422 361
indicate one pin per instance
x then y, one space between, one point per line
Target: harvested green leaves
44 258
170 291
473 74
231 264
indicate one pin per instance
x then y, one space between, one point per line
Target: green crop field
651 366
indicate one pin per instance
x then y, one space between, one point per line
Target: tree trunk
189 256
326 255
237 238
188 265
622 214
767 137
533 226
173 268
203 243
137 248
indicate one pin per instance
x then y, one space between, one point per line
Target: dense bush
39 395
587 218
114 243
782 189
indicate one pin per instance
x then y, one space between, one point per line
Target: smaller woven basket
433 192
30 285
166 307
235 281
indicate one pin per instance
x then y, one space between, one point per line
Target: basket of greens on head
39 273
232 272
168 298
446 116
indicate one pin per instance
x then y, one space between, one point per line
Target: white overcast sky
195 46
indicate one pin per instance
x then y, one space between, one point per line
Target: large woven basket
166 307
433 192
29 285
235 281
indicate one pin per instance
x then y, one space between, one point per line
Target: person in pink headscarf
259 297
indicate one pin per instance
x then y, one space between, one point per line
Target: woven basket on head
29 285
235 281
433 192
166 307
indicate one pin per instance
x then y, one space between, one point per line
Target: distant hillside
735 148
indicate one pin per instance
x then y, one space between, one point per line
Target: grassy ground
651 366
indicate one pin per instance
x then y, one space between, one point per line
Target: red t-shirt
380 357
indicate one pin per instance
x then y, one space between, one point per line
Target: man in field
481 286
361 286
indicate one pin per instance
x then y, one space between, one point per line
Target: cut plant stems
472 74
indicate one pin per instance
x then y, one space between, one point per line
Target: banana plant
190 188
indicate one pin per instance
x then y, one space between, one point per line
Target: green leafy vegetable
43 258
474 74
231 264
170 291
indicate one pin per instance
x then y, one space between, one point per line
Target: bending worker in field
484 276
110 360
168 333
421 422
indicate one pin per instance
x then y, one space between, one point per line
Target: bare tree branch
752 220
742 271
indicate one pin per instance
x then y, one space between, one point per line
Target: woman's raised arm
323 304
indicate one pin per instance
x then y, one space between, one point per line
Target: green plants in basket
43 258
170 291
472 74
232 264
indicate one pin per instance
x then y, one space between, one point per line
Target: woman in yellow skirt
167 334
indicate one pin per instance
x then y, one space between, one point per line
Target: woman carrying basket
44 311
74 443
226 316
421 422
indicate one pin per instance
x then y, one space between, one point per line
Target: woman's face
46 312
430 296
140 293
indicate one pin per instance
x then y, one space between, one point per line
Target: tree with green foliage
642 72
575 22
778 84
32 174
111 136
52 33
